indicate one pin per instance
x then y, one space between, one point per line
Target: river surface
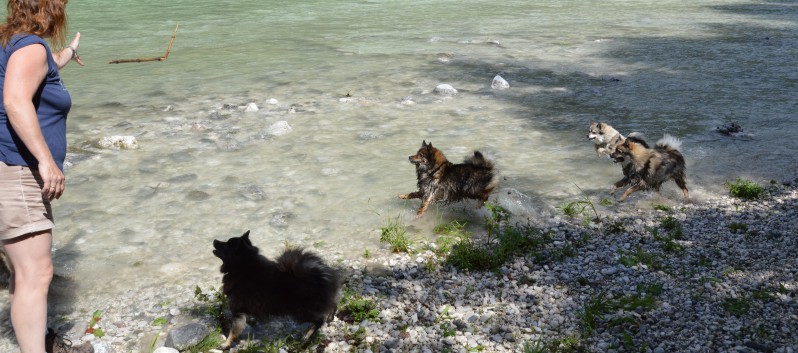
355 80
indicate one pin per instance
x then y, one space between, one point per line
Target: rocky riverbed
719 275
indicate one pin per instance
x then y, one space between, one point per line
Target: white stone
499 83
445 89
119 142
279 128
251 107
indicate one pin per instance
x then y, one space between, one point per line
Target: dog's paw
226 344
404 196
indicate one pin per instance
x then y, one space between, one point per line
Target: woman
32 151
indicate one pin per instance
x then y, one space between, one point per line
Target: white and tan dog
605 137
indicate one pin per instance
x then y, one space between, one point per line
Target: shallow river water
355 79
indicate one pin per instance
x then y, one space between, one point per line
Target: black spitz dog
299 284
441 180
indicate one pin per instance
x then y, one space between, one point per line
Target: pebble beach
727 282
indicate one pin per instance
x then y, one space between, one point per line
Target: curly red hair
44 18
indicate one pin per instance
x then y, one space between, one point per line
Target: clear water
141 217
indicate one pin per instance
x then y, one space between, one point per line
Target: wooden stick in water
160 58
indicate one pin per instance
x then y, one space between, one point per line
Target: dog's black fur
5 270
298 284
441 180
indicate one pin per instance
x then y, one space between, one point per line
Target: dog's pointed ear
600 125
245 237
424 143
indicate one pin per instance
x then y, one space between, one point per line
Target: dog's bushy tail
308 266
668 142
478 160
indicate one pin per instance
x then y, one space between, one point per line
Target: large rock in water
499 83
445 90
119 142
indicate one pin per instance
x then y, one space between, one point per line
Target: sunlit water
142 217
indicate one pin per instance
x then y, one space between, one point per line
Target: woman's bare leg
32 266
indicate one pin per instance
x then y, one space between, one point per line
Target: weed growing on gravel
567 344
358 337
622 312
737 306
504 241
213 304
745 189
211 341
592 312
581 207
673 227
738 227
455 228
449 234
353 308
639 256
395 234
664 208
615 227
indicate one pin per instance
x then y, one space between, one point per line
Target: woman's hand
74 46
53 178
69 53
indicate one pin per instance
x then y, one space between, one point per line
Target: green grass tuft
353 308
395 234
745 189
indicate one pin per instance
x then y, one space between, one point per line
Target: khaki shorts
23 209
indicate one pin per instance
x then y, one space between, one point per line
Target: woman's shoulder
25 39
19 41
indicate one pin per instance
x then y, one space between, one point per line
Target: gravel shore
715 276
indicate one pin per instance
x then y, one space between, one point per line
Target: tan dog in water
651 167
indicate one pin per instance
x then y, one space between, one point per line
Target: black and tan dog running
441 180
298 284
649 168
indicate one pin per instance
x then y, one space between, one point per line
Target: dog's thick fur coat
298 284
440 180
651 167
604 137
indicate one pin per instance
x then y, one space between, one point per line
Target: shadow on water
686 86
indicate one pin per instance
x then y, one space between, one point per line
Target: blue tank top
52 102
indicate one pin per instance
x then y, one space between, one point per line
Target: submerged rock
445 90
407 100
499 83
251 107
252 192
197 195
118 142
279 128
